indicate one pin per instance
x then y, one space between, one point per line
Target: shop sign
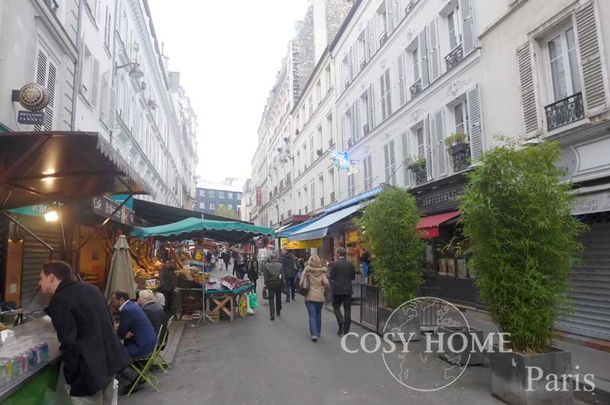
300 244
591 203
30 117
352 236
104 207
31 210
258 196
439 199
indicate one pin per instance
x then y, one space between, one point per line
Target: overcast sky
228 53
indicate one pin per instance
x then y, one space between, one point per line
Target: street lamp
51 215
134 70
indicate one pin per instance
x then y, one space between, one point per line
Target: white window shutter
427 131
371 99
468 34
476 127
402 88
392 163
41 69
529 103
389 16
433 51
423 54
367 42
382 90
439 140
49 110
95 79
405 156
591 54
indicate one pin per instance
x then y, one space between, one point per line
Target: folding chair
159 359
142 366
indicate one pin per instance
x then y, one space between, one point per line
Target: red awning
429 225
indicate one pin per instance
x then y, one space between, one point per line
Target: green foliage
523 238
389 226
225 211
417 165
458 137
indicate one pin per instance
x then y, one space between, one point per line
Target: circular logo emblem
421 329
33 97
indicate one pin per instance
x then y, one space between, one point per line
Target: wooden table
228 302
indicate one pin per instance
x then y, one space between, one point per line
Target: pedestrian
167 285
225 259
273 282
365 259
252 269
91 351
316 274
342 273
289 270
240 266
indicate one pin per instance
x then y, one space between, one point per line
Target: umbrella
120 276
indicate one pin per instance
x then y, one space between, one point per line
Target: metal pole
100 226
32 234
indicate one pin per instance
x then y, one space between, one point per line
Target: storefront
447 275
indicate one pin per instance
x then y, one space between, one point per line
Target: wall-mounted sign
300 244
591 203
104 207
33 97
30 117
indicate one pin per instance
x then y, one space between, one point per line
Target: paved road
256 361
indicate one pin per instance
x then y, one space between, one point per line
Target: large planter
451 267
459 147
461 357
509 378
461 268
399 322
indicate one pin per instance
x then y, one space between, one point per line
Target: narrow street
256 361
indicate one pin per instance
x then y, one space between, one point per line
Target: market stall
227 296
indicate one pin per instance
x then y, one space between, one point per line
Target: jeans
346 300
314 309
275 300
290 288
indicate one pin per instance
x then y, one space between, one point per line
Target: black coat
288 265
342 273
156 314
90 348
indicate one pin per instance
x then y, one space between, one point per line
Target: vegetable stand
229 302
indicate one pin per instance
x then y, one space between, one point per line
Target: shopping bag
253 300
304 284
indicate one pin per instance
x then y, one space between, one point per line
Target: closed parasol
120 276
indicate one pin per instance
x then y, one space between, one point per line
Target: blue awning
318 227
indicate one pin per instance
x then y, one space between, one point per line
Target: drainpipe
78 69
112 109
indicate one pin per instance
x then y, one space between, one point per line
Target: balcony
416 88
454 57
52 4
460 156
564 112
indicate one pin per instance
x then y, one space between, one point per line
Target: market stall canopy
318 227
430 225
189 228
44 167
161 214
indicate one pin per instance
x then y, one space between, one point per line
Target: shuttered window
438 136
405 156
565 75
390 162
386 94
368 172
433 51
528 94
468 28
475 123
402 82
46 76
590 50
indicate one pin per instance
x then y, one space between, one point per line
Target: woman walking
252 270
314 274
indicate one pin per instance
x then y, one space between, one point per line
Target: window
381 22
351 184
318 92
420 142
362 50
368 172
230 195
390 163
453 24
563 61
201 206
313 195
108 29
415 63
460 114
212 193
221 194
329 125
212 206
329 84
311 152
402 83
386 94
202 193
310 104
320 138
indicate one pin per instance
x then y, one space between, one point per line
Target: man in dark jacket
90 349
342 273
134 326
273 281
153 310
289 271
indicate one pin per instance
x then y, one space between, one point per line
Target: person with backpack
273 276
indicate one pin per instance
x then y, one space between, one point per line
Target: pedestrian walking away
316 274
342 273
252 270
90 349
273 282
289 268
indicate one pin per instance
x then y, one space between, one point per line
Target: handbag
304 284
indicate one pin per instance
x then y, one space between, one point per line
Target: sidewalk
588 360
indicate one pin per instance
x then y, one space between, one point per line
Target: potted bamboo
517 217
419 168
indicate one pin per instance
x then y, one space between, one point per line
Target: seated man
134 327
153 310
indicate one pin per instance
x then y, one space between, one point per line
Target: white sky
228 53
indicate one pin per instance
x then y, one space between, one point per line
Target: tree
516 213
389 227
225 211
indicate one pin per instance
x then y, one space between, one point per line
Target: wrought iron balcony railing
564 111
454 57
416 88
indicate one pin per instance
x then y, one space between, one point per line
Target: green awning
189 228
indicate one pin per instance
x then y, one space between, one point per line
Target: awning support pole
32 234
100 226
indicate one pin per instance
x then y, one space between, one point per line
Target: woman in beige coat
315 272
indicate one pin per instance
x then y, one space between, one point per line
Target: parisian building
211 196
